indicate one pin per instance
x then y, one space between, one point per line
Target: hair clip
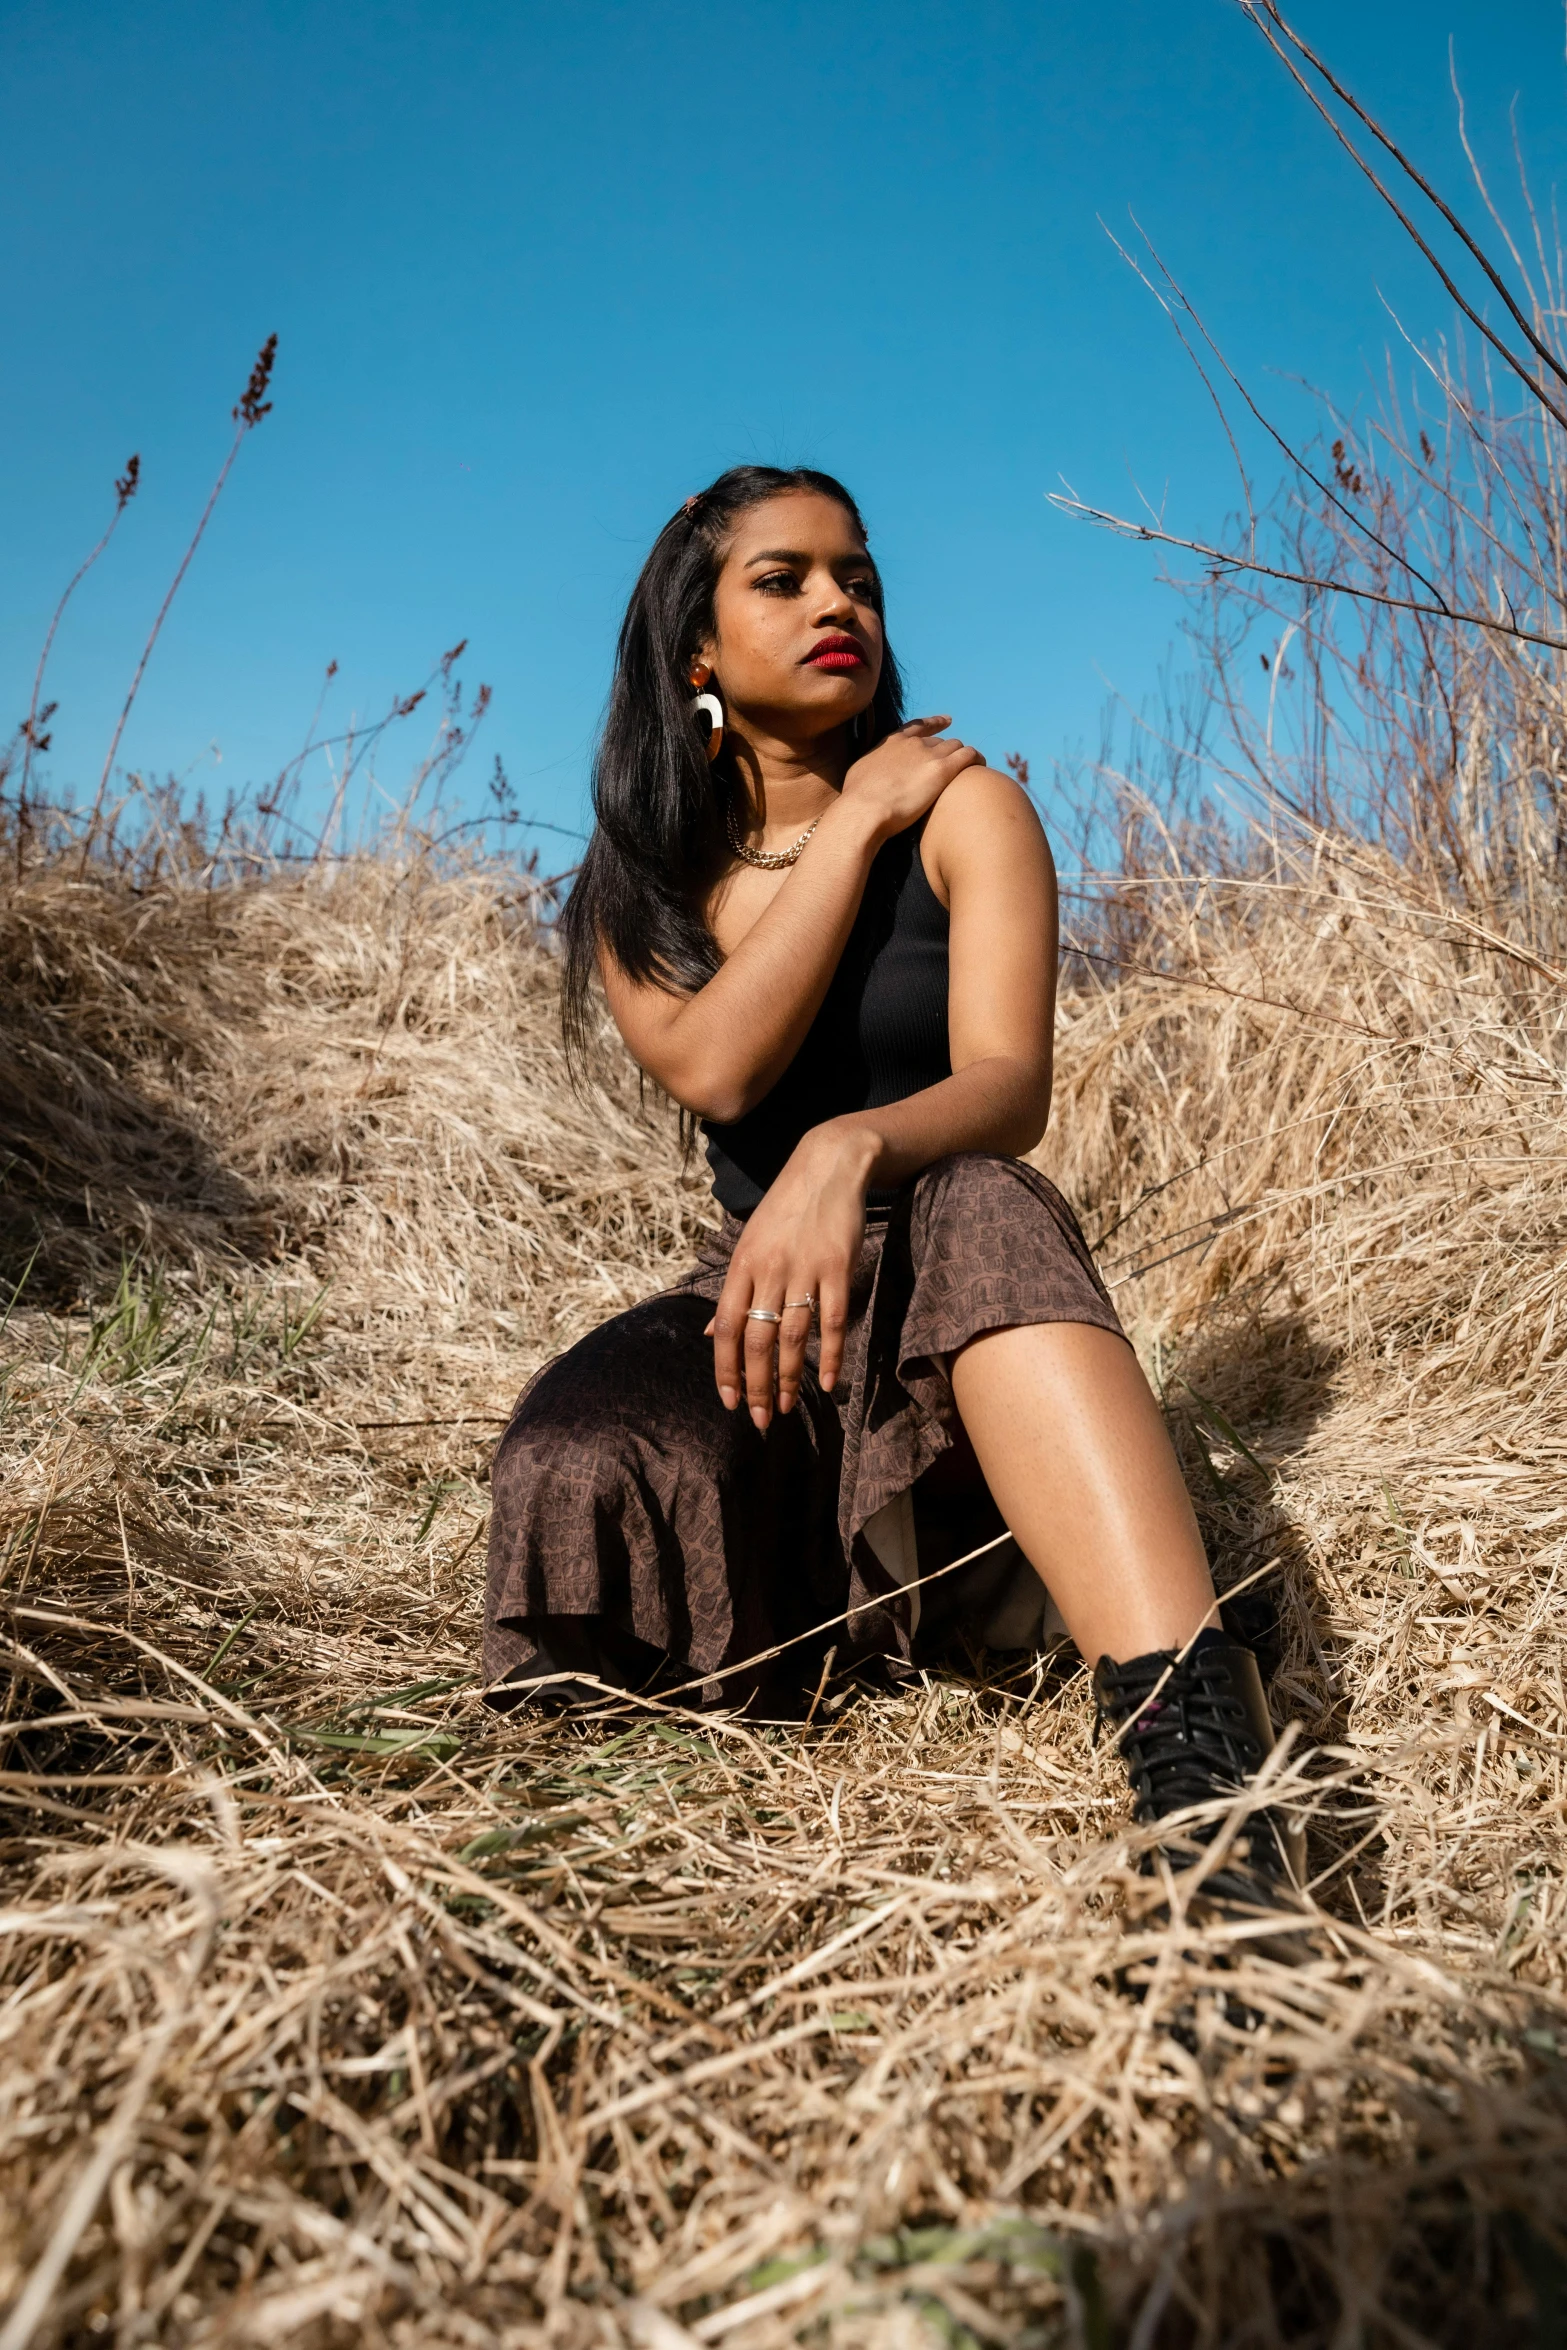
690 504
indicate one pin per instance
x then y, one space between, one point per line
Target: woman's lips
837 652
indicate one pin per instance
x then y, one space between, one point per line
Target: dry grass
336 2012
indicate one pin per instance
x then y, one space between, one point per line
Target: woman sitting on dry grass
831 936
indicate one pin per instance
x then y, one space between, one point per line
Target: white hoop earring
710 707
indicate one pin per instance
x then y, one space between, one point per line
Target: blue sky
538 272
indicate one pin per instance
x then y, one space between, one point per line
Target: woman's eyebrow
795 555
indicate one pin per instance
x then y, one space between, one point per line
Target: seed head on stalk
39 713
247 413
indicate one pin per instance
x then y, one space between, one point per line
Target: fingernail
758 1415
829 1381
729 1397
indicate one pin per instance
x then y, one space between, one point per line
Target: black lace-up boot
1193 1732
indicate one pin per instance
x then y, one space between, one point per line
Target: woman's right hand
903 778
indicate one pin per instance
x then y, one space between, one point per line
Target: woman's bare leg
1076 1455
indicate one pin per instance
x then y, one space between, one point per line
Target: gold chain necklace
768 860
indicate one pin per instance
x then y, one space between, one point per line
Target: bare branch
1356 521
1264 14
1141 274
1225 563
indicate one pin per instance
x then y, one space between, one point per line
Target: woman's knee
645 1378
971 1187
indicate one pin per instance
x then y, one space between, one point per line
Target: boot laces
1184 1745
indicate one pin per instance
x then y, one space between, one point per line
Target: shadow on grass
94 1169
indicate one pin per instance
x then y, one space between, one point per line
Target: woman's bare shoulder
981 818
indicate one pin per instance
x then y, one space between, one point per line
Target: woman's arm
990 858
992 864
719 1050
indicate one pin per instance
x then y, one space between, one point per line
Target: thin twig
248 412
1264 13
1228 561
124 491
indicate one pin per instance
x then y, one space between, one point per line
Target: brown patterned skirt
642 1533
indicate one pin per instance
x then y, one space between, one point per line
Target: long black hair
659 841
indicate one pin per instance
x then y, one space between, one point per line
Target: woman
831 937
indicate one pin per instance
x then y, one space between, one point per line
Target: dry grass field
334 2011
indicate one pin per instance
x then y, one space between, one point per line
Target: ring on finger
762 1314
808 1303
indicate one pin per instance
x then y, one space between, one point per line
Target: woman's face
797 647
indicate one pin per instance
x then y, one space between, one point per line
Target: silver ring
809 1303
762 1314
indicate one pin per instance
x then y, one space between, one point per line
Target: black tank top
881 1033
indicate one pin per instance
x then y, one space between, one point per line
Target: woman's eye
778 583
864 587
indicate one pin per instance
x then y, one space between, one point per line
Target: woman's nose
832 601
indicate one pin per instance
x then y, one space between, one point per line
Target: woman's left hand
801 1244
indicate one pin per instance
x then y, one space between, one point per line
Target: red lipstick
837 652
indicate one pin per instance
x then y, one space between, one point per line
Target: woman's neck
788 785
